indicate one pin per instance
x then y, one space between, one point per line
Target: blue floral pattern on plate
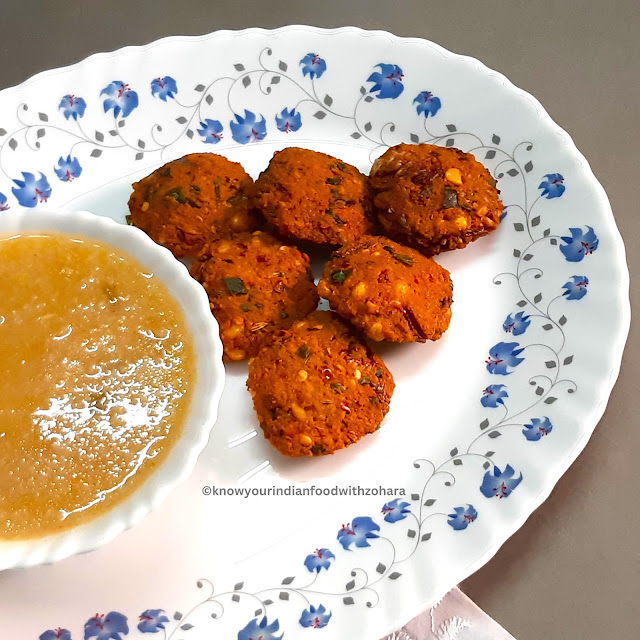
411 519
552 186
358 532
318 560
462 517
164 88
55 634
427 103
260 630
248 128
493 395
500 484
517 324
579 244
112 626
288 120
152 620
395 510
68 169
504 356
30 191
211 131
537 428
313 65
576 287
315 617
72 106
387 83
120 98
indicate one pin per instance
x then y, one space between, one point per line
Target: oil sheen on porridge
96 373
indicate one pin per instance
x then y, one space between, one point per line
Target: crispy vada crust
389 291
312 196
256 285
434 198
191 201
318 387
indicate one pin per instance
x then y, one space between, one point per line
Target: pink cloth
455 617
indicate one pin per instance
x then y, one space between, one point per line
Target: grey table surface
573 570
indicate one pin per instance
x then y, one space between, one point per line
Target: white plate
217 566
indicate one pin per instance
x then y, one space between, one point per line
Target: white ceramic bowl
208 387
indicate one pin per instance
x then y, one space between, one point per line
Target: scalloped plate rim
616 349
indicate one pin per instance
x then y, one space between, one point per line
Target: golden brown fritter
318 387
434 198
388 291
189 202
311 196
256 285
